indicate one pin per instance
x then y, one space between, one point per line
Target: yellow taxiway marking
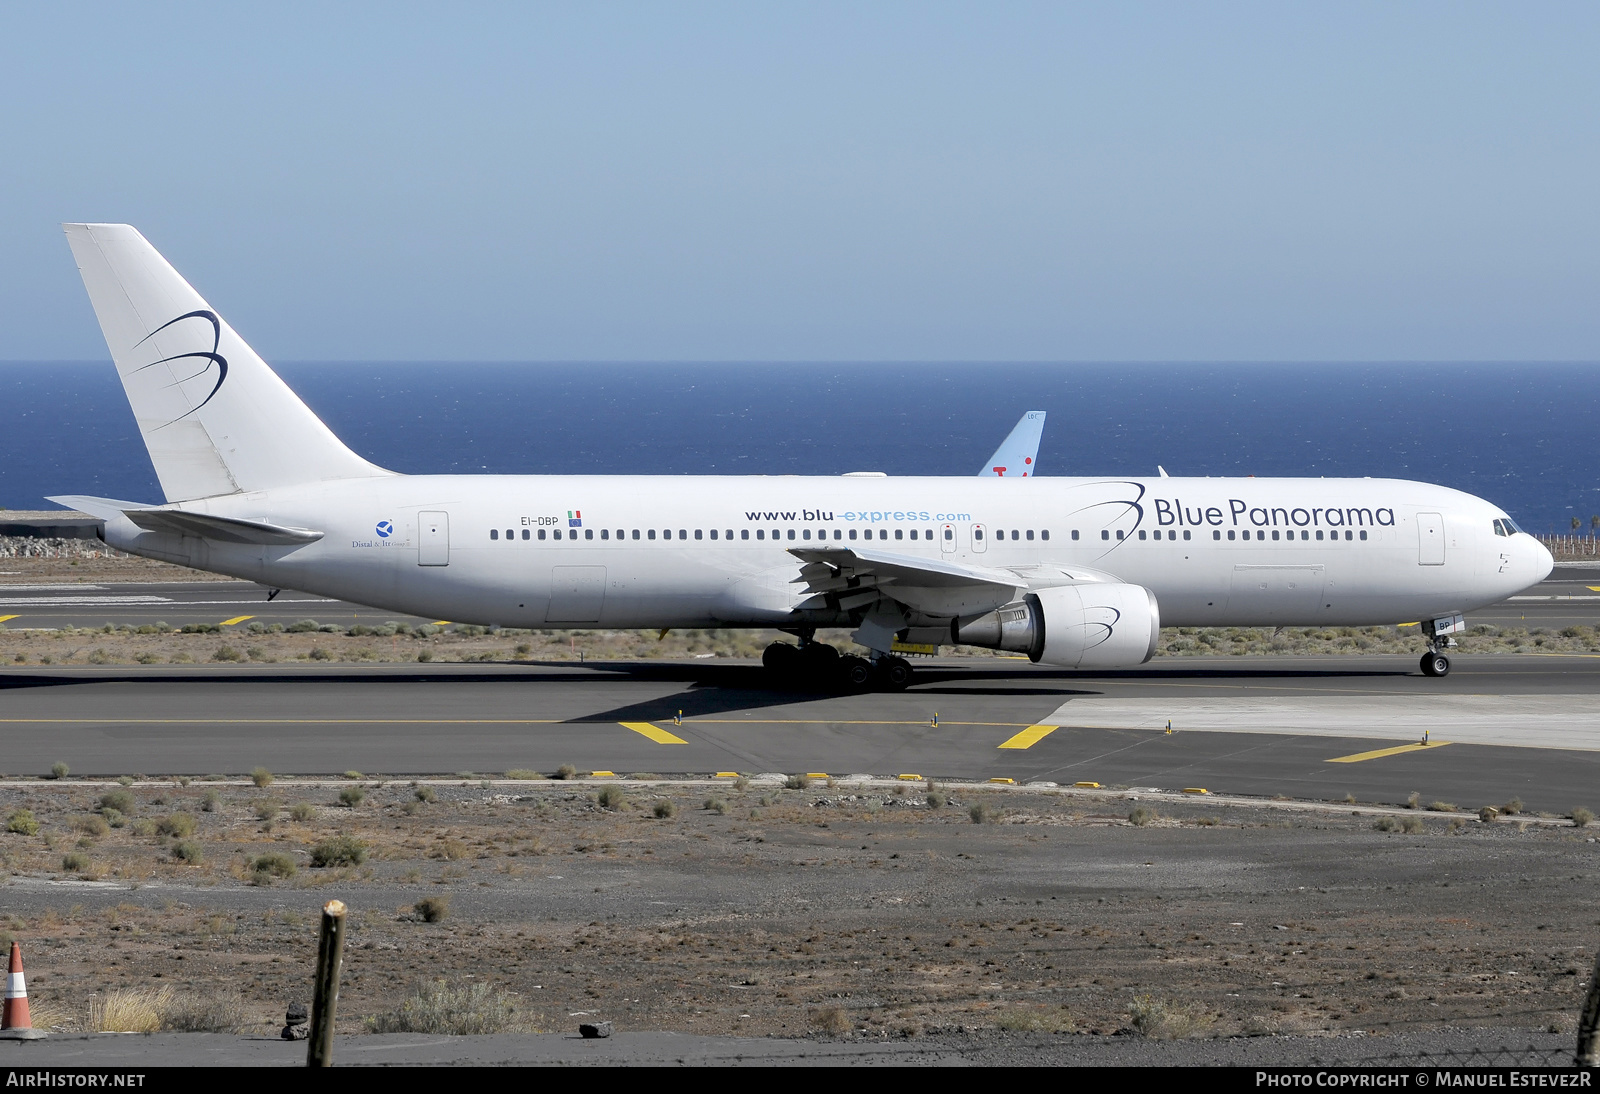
655 733
829 722
440 623
1029 737
1593 588
236 619
1378 754
3 618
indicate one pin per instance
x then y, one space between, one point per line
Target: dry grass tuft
442 1008
1143 816
1035 1020
260 776
831 1020
129 1010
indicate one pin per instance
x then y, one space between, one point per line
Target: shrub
351 796
58 770
830 1020
1413 799
188 850
179 825
92 826
441 1008
980 812
1441 807
302 811
1581 817
523 773
665 809
72 862
210 800
716 805
1142 816
339 851
1166 1021
425 656
566 771
1512 807
319 654
611 796
302 626
114 817
1412 825
1386 824
426 794
936 799
275 864
352 774
1487 814
433 909
120 800
796 782
261 777
23 823
211 1011
227 653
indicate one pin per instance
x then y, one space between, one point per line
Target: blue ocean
1521 435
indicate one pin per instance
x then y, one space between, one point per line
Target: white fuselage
1214 552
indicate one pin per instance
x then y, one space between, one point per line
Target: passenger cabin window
494 533
1074 533
1216 534
840 535
1044 533
1119 533
898 533
697 533
744 533
636 533
541 533
791 534
1105 534
526 534
651 533
761 534
588 533
852 533
1363 534
605 533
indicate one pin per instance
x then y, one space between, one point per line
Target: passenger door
433 539
980 538
1430 537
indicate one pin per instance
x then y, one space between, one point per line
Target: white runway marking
1526 721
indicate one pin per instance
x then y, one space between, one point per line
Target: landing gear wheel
818 657
1435 664
856 673
895 672
780 658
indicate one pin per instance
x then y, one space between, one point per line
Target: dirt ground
853 909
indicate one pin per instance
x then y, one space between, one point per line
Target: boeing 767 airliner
1074 572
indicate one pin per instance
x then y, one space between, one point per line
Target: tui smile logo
197 363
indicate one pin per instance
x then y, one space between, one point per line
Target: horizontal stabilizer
223 529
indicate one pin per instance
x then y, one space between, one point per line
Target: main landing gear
1435 664
818 665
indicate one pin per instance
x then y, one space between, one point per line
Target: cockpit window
1500 528
1511 526
1505 526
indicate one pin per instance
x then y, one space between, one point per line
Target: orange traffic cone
17 1025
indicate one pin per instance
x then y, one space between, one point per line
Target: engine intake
1091 626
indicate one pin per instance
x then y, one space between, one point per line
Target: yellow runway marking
3 618
441 623
656 734
1593 588
829 722
1378 754
1029 737
236 619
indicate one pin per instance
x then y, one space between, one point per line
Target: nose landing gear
1437 631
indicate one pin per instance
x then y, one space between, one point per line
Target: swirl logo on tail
206 358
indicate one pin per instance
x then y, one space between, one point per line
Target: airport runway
1342 725
1571 595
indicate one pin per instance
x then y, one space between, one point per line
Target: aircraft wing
1018 454
845 578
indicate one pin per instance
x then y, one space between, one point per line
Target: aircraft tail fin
1017 457
214 416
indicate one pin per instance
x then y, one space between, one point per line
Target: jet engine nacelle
1092 626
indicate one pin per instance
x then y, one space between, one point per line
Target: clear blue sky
765 182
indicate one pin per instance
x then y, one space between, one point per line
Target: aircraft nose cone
1543 562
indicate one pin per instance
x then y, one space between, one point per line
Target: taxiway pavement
1301 727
